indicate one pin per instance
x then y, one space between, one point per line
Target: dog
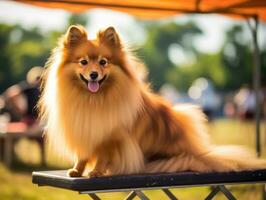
98 110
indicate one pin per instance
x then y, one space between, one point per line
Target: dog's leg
127 157
100 167
78 168
122 155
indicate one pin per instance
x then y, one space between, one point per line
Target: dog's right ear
75 34
109 36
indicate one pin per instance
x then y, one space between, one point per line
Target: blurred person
245 103
22 98
20 104
229 108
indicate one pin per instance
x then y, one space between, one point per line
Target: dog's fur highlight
123 128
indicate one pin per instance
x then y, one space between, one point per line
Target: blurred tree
21 49
81 19
237 59
26 51
5 62
156 47
228 69
207 65
263 67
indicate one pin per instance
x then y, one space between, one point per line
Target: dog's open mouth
93 86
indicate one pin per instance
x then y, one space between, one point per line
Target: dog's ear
110 37
75 34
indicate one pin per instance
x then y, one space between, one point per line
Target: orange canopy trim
153 9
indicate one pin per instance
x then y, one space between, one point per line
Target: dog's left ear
110 37
75 34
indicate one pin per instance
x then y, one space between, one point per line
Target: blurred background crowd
207 60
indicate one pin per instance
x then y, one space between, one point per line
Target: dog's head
93 64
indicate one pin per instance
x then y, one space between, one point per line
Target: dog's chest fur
88 120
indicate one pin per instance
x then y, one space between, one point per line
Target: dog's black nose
94 75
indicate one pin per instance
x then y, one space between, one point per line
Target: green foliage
237 59
228 69
207 65
5 62
155 49
81 19
21 49
263 67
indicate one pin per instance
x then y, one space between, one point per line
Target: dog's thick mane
82 121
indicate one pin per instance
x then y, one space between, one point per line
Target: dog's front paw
95 173
74 173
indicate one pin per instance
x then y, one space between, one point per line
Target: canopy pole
256 80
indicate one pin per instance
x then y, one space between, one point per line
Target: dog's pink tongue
93 86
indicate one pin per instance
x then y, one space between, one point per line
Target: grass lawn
15 184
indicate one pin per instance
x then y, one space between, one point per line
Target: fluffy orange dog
97 109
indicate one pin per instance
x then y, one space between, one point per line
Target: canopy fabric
154 9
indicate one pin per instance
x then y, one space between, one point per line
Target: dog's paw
73 173
95 173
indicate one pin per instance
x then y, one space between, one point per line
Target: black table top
59 179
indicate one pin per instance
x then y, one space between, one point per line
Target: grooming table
136 183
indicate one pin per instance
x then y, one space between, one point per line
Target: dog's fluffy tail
218 159
232 158
197 153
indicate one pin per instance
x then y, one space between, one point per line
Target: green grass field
16 184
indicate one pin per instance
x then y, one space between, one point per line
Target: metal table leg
137 193
213 193
131 195
223 189
94 196
169 194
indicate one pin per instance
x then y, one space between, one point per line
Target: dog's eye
103 62
83 62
